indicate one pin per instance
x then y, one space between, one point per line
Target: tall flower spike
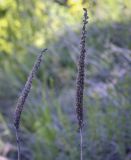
26 90
80 76
23 97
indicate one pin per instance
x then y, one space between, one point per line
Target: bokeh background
49 125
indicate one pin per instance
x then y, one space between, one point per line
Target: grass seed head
80 76
26 90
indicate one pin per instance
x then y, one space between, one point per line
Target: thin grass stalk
80 81
18 143
81 144
23 97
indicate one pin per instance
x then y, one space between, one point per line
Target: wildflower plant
80 79
23 97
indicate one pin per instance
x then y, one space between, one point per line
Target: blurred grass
49 127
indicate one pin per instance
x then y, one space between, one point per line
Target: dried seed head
80 76
26 90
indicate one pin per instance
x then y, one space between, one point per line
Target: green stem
18 143
81 145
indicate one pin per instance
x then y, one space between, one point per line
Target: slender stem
18 142
81 145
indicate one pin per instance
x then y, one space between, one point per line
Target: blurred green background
49 125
